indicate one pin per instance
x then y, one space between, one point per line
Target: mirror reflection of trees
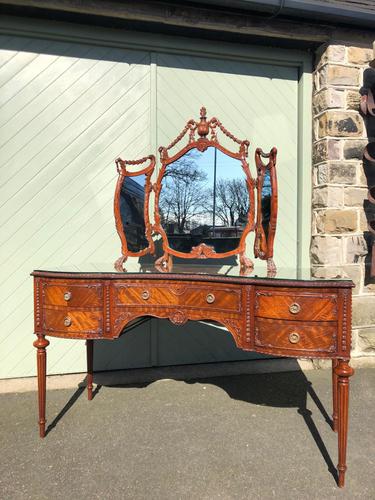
232 202
184 195
204 199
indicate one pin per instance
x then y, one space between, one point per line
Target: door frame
171 44
154 43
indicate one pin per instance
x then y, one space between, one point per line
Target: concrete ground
236 437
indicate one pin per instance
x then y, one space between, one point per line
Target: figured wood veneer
313 336
81 295
238 304
80 321
182 294
257 312
302 306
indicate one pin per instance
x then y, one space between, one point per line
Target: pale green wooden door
67 110
254 101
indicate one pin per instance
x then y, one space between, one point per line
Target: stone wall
340 232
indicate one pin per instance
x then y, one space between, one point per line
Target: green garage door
67 110
254 101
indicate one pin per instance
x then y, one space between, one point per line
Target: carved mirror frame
123 174
198 132
263 243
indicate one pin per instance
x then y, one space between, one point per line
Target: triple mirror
205 200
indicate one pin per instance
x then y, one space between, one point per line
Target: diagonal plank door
67 110
253 101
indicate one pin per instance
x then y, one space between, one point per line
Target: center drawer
224 298
296 306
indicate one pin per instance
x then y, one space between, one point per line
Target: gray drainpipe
312 10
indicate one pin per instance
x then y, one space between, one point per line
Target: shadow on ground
272 390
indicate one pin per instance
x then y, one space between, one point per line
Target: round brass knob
294 337
210 298
67 296
145 295
67 321
294 308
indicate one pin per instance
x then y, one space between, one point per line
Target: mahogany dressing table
277 312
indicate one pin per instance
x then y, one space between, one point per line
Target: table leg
343 372
41 357
334 396
90 359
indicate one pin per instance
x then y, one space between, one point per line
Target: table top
207 271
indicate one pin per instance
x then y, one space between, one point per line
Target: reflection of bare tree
232 201
184 194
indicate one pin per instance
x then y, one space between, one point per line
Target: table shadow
285 389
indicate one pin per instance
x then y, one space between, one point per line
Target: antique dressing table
277 312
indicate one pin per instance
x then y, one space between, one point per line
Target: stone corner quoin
338 244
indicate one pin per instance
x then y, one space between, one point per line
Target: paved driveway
239 437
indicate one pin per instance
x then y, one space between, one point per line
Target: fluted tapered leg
41 343
334 396
90 359
343 372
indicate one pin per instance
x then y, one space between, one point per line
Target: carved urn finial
203 127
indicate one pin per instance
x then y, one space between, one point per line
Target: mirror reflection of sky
226 166
139 179
204 198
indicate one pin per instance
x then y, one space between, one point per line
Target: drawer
292 335
306 306
72 321
72 295
224 298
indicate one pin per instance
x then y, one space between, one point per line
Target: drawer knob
67 321
294 337
210 298
145 295
67 296
294 308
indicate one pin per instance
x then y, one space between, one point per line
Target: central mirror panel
204 199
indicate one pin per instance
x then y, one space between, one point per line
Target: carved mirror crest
131 208
204 196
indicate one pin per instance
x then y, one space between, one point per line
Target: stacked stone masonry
339 247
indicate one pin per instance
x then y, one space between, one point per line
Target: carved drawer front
209 297
292 335
72 321
72 295
192 296
306 306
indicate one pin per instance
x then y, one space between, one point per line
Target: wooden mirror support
132 209
202 165
266 207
